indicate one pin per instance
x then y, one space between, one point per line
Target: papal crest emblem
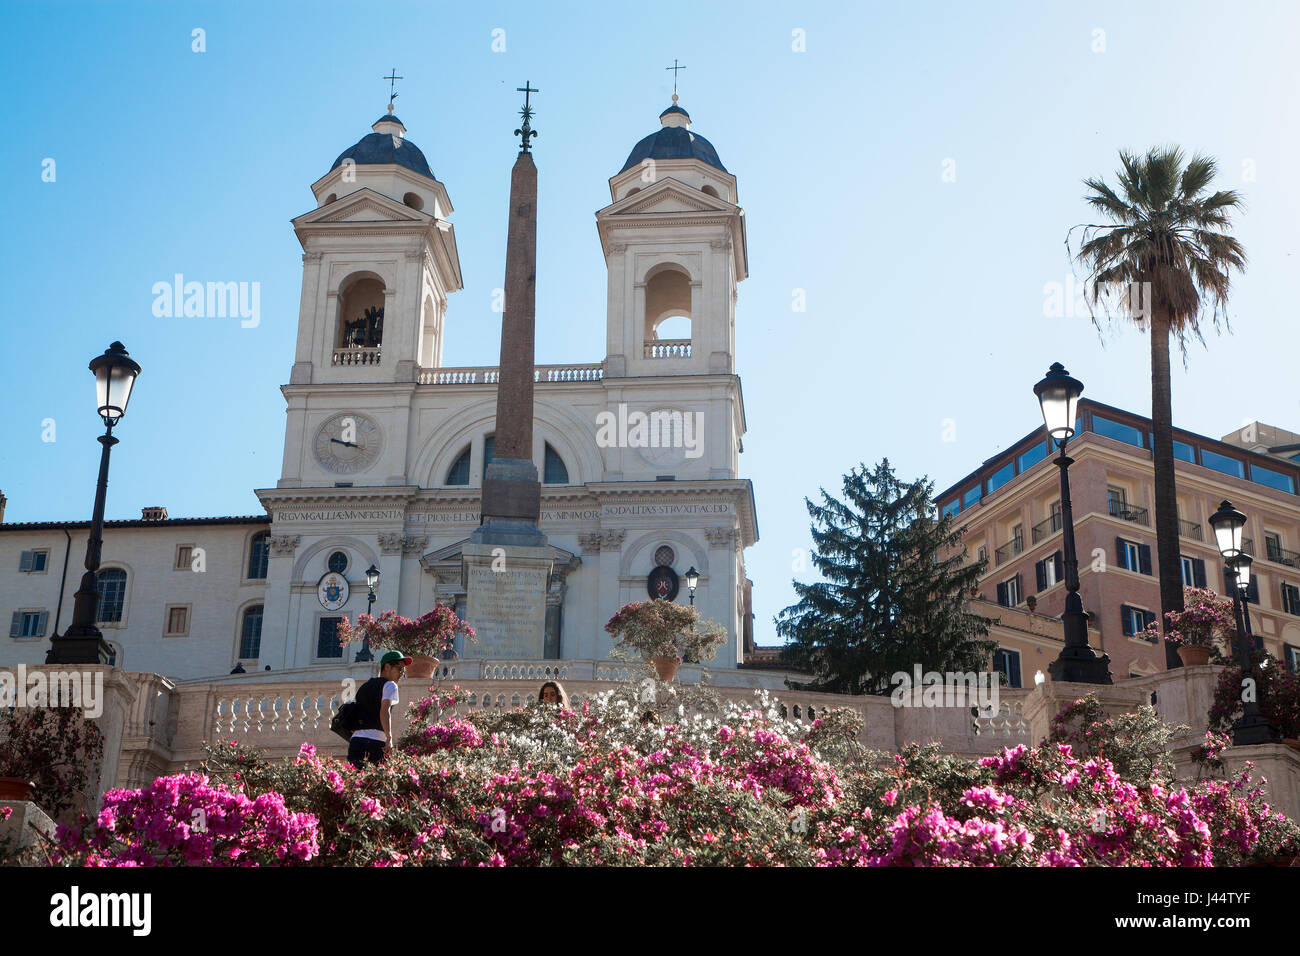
332 591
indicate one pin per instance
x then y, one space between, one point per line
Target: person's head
392 665
650 717
552 693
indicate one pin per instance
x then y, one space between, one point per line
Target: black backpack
345 720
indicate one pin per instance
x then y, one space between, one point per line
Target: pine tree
895 589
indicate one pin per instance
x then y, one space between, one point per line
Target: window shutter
1252 592
16 624
1126 616
40 625
1002 593
1014 660
25 560
1121 555
1040 572
1198 572
1144 558
1060 566
1020 588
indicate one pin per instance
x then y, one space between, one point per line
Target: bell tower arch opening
668 315
361 312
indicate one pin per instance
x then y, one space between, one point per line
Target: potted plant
423 639
48 754
1194 630
665 632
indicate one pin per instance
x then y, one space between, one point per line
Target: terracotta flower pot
421 667
1193 655
15 788
666 667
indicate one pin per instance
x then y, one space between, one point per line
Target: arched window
259 554
489 450
458 474
554 471
668 304
414 201
111 584
710 191
361 314
250 634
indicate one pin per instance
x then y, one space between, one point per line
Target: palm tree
1167 251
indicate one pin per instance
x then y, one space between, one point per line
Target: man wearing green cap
373 738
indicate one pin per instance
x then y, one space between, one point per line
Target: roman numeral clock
348 443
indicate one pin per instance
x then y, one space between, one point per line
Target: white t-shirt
390 693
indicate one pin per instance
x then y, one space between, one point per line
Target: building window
1273 546
489 450
1183 451
1291 658
1133 556
32 562
178 621
1031 457
1135 620
111 585
1009 592
1007 663
1049 571
259 554
1229 466
250 635
952 507
1117 501
554 470
1002 476
28 623
1125 433
459 472
982 554
1193 571
338 562
327 640
1291 599
971 497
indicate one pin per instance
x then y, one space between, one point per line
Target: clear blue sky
924 297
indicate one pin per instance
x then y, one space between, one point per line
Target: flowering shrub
56 748
1205 619
430 635
712 783
661 628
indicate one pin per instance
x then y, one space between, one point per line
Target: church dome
387 144
674 141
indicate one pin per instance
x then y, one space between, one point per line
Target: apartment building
1010 507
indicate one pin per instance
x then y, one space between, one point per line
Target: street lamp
692 581
372 582
1058 398
1227 522
83 643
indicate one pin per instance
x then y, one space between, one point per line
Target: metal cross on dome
392 79
526 130
674 68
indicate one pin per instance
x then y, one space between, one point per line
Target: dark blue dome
380 148
674 142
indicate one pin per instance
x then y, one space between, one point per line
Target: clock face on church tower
347 443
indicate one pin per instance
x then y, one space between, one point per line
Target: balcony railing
357 356
668 348
1048 527
1009 550
1122 509
1190 529
491 375
1280 555
1248 545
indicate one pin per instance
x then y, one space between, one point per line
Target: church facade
385 445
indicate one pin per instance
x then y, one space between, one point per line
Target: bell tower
675 249
379 261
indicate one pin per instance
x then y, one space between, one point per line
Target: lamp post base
79 649
1253 729
1081 665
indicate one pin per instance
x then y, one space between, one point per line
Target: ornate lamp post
372 582
1228 522
1058 397
692 582
82 643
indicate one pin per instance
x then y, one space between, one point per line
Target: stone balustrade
667 348
357 356
491 374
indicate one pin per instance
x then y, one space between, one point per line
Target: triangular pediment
364 205
666 196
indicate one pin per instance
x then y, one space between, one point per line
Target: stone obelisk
507 563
